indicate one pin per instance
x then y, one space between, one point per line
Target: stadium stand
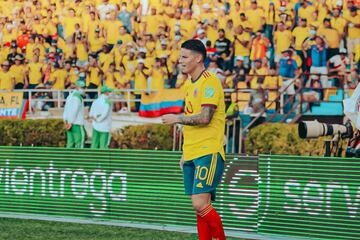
286 46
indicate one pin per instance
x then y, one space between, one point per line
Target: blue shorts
203 174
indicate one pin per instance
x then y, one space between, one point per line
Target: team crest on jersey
209 92
195 92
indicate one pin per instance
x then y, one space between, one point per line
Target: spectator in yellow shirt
34 72
7 80
282 40
255 16
332 37
353 31
18 72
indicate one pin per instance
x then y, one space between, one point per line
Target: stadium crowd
135 44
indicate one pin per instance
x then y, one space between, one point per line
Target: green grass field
18 229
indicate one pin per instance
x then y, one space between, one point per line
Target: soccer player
203 153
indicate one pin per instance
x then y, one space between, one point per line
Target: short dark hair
196 46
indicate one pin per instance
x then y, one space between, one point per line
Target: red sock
203 229
213 220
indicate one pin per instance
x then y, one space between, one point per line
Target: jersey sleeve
211 92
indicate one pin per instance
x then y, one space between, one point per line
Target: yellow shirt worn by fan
200 140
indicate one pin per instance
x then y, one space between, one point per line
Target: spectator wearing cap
241 45
140 76
282 40
101 117
317 52
201 35
332 38
353 31
7 80
256 16
74 117
96 43
13 52
34 72
224 51
337 66
163 51
300 34
240 71
259 46
18 72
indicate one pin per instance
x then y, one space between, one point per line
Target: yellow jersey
60 75
35 72
18 73
6 80
203 140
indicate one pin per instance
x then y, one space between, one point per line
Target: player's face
189 60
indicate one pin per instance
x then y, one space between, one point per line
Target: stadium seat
329 92
328 109
272 96
241 85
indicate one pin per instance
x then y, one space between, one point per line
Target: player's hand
170 119
68 126
181 163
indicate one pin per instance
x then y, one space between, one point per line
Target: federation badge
209 92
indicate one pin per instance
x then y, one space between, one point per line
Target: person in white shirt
105 8
74 117
101 114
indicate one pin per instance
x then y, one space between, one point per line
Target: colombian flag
161 102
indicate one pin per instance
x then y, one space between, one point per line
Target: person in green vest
101 116
74 117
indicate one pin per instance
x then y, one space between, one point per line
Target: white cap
339 3
200 31
143 50
342 50
239 58
141 60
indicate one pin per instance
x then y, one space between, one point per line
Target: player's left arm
203 118
209 102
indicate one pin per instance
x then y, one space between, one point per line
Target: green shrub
281 138
155 136
40 133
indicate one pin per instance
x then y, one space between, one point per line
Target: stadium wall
289 196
